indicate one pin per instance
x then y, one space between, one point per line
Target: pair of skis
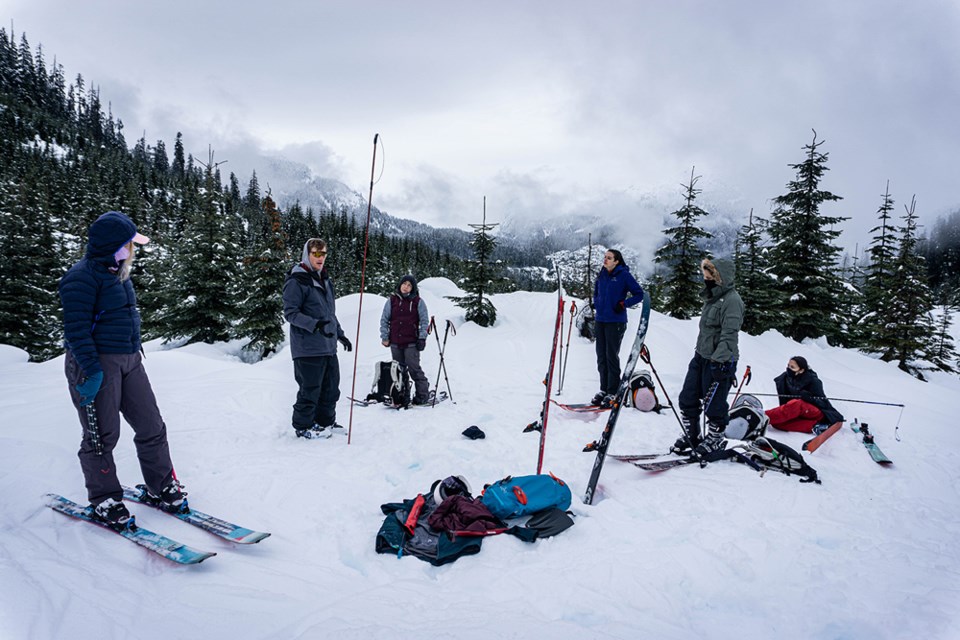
161 545
861 428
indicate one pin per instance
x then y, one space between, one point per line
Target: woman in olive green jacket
714 364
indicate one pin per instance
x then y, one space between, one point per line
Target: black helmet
450 486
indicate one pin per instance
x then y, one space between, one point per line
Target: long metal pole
363 273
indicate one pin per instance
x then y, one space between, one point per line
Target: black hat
474 433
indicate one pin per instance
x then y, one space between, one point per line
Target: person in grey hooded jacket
714 365
309 305
403 328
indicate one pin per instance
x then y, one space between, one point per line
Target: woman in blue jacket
104 368
614 291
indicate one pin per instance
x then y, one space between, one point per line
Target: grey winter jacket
722 316
309 299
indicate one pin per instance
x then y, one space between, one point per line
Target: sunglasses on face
319 254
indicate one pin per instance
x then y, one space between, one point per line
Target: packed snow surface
718 552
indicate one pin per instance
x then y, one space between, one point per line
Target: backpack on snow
391 384
643 395
747 419
518 496
776 455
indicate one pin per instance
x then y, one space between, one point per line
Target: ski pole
645 356
560 345
747 377
563 369
783 395
363 273
443 366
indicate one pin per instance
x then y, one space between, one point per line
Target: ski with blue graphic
875 453
216 526
159 544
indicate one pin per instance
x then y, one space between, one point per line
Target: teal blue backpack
523 495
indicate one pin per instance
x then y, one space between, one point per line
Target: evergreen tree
679 284
909 304
754 284
480 274
206 278
874 329
262 311
803 258
943 353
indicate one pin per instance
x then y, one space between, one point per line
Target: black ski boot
684 446
114 514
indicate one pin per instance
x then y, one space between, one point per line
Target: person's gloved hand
421 344
319 328
621 307
89 388
346 343
722 370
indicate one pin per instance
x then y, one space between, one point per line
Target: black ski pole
645 356
560 364
443 366
563 369
783 395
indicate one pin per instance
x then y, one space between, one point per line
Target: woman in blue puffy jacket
614 291
104 369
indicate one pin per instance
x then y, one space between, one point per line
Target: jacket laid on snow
99 310
808 387
309 299
722 316
610 289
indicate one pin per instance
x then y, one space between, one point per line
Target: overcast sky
544 107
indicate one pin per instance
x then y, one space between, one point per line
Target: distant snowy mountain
633 223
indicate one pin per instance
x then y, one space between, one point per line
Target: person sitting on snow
803 405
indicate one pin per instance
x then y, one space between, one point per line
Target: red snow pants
795 415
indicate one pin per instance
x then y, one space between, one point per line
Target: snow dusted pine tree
803 258
761 301
679 285
481 275
943 354
262 311
874 329
910 303
206 276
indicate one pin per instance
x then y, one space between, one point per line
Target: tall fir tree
262 310
679 283
480 275
761 300
873 329
910 304
943 353
803 257
206 273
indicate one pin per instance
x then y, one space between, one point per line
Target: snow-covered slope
690 553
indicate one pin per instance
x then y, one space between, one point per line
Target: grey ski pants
125 390
410 357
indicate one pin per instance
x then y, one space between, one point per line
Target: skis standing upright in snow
622 390
548 381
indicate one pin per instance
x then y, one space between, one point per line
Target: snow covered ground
689 553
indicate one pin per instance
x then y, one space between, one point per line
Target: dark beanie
801 362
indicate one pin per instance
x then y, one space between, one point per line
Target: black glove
346 343
621 307
722 370
421 344
319 328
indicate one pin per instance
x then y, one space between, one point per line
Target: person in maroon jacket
403 328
